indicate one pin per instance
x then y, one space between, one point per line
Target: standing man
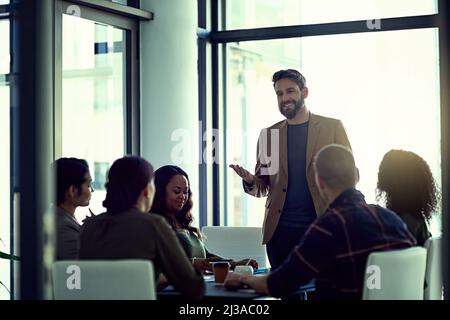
286 177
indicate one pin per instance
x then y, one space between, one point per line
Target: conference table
218 292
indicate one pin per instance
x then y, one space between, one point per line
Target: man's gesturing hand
243 173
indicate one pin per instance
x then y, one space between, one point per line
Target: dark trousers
282 243
279 248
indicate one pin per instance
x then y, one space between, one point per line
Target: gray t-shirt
298 210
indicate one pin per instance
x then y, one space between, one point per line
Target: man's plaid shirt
334 249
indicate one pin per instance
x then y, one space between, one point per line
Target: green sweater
192 245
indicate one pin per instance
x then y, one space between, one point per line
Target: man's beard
291 113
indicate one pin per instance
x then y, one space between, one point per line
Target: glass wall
5 203
270 13
384 86
93 104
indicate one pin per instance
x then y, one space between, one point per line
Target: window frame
131 75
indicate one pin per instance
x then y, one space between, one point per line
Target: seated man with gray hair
335 248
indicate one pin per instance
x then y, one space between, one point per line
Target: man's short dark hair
290 74
69 172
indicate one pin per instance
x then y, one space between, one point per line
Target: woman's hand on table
201 264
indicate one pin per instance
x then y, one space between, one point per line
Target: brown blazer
271 172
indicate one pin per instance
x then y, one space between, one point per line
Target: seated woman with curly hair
173 200
406 183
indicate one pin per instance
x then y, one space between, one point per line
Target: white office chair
104 280
433 273
395 275
236 243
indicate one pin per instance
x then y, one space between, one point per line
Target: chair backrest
433 273
104 280
236 243
395 275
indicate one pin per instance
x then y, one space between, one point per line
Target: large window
271 13
93 104
96 114
384 86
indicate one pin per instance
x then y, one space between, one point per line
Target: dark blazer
272 172
136 235
68 235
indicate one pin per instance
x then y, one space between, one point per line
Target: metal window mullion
215 112
388 24
202 38
115 8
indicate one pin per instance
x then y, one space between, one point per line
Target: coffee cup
244 270
220 270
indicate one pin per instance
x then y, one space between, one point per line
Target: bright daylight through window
378 84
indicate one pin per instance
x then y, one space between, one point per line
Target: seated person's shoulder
62 219
188 237
154 219
409 218
328 216
185 232
100 216
133 216
385 212
93 220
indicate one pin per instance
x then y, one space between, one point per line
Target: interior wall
169 86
